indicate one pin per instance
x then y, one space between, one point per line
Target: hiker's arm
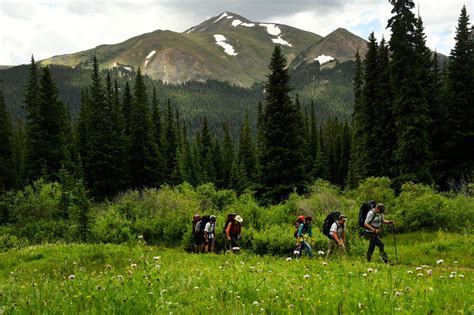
336 238
388 221
300 230
369 218
227 231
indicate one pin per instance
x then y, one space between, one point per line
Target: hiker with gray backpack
374 218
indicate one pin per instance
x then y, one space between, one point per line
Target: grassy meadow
142 279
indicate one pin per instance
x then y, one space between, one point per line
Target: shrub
111 227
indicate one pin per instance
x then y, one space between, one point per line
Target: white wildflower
288 259
72 277
364 275
439 261
360 305
410 272
306 276
369 270
461 276
140 237
418 268
133 265
156 257
420 274
398 293
324 263
255 303
429 272
320 252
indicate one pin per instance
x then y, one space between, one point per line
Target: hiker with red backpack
338 236
233 229
373 228
304 232
299 221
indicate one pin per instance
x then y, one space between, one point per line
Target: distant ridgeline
330 88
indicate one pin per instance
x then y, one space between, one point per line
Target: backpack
328 221
229 219
364 209
297 226
199 229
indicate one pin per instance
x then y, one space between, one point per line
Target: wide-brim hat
238 218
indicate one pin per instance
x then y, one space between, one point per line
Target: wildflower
410 272
398 293
74 262
430 289
140 237
441 277
364 275
255 303
157 266
320 252
461 276
360 305
451 276
242 263
133 265
108 267
196 288
408 289
455 262
306 276
398 308
429 272
418 268
454 273
385 292
156 257
291 306
238 297
300 288
262 310
369 270
420 274
288 259
324 263
130 272
440 261
120 277
296 252
72 277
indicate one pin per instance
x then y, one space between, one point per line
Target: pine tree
6 149
127 101
171 143
52 128
459 149
143 152
158 137
321 168
345 153
227 155
359 161
31 106
412 154
206 156
246 154
282 159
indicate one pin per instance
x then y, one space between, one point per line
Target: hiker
304 231
299 221
338 236
196 233
233 230
373 228
209 237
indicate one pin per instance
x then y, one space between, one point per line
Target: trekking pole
395 242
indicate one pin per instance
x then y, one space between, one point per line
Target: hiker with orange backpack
304 232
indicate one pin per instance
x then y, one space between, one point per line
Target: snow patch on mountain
220 40
281 41
149 56
272 29
223 15
323 59
248 24
236 23
190 30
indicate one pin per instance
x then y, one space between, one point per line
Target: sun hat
238 218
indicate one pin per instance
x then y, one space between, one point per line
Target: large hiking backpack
229 219
202 224
330 219
364 209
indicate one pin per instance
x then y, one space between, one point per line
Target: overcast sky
52 27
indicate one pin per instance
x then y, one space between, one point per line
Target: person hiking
338 234
299 221
198 240
305 231
233 230
373 228
209 236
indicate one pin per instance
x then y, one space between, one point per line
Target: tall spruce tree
31 107
412 153
52 128
171 143
103 171
158 137
359 161
459 146
246 154
282 159
206 154
6 149
227 155
143 151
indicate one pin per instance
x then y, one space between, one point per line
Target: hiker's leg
371 249
342 250
331 245
213 245
297 250
307 248
381 247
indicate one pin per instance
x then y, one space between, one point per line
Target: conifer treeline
411 121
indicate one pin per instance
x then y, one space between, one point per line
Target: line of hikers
371 218
204 232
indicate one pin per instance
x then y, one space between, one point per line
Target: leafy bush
111 227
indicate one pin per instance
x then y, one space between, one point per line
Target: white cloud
51 27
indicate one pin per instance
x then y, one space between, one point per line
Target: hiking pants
234 240
305 245
332 245
374 240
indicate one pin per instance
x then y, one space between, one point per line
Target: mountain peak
219 22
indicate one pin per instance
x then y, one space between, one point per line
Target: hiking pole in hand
395 243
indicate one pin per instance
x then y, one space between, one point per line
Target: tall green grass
140 279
